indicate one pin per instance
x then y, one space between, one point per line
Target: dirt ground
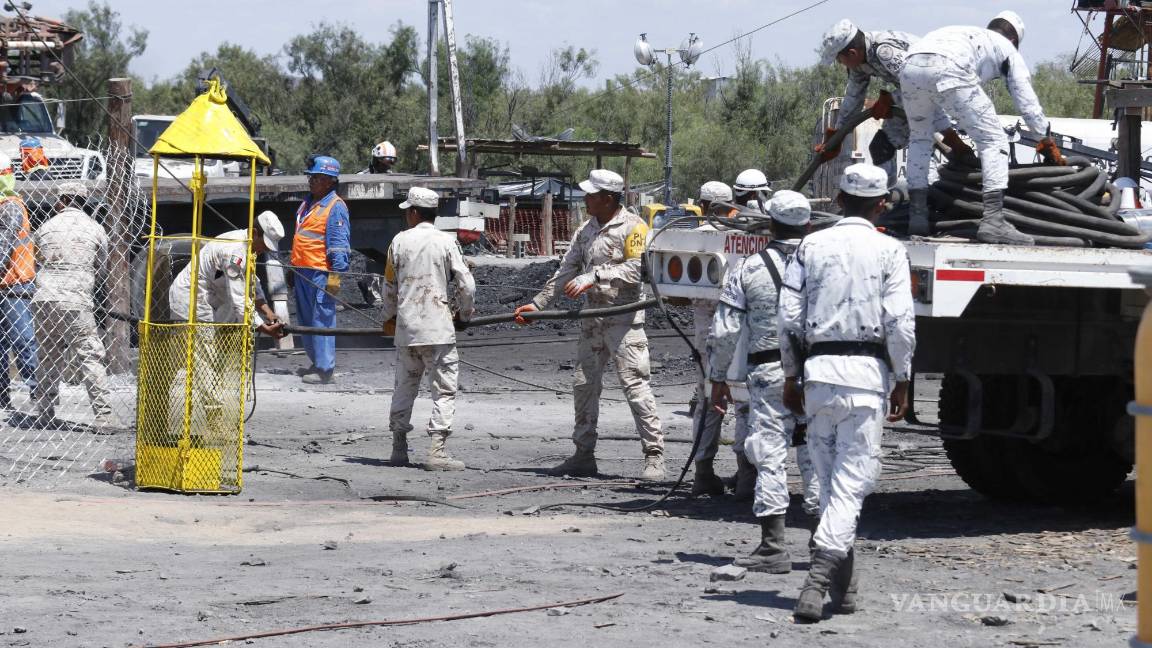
92 562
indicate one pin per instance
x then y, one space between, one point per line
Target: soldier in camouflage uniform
604 262
72 251
749 300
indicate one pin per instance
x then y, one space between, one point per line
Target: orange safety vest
309 244
22 263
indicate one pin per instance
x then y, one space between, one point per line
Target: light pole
689 51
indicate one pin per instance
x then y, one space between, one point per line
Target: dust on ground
313 539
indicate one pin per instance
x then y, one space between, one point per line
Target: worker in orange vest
33 162
17 276
320 251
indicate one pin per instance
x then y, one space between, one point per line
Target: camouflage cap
836 39
790 208
865 181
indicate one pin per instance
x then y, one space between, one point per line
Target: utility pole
433 83
121 181
462 169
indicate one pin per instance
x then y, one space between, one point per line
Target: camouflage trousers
844 439
626 345
770 428
61 333
442 365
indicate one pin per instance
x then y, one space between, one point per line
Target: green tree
105 52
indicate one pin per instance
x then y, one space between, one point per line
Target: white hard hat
790 208
273 230
77 189
750 180
835 40
5 163
714 190
421 197
383 150
1014 19
864 180
602 180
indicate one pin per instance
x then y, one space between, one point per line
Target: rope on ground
394 622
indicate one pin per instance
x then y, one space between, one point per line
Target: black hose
575 313
834 141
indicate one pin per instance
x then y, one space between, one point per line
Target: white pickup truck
1035 346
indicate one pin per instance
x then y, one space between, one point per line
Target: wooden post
546 248
121 181
627 187
511 226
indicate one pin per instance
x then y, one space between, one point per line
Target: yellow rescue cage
193 375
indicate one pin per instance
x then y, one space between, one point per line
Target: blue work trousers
315 307
17 334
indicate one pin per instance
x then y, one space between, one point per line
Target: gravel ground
314 538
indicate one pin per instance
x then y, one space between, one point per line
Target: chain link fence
68 347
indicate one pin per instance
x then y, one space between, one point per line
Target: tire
982 462
1079 465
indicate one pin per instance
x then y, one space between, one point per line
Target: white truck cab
148 129
27 115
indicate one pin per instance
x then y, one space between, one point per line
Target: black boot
844 586
994 228
771 556
745 480
810 605
705 481
810 523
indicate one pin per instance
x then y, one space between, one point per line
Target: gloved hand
389 328
579 285
1050 152
526 308
960 153
823 151
333 285
882 107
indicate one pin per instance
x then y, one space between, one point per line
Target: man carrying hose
604 263
421 261
877 54
943 71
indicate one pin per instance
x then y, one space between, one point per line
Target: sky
531 29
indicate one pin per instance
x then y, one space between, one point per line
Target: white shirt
979 55
421 262
72 250
220 294
848 283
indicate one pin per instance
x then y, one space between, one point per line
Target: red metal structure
1120 48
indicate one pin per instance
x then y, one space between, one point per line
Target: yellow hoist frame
193 375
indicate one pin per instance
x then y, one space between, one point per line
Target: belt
763 357
845 348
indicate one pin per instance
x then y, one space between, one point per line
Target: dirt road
91 562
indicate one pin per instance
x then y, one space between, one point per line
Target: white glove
579 285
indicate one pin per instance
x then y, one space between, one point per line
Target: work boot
770 556
994 228
399 449
653 467
844 586
745 479
810 523
321 377
810 605
918 224
438 457
580 464
705 481
304 371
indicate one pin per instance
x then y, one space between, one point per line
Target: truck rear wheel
982 462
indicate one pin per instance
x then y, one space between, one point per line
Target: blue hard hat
323 165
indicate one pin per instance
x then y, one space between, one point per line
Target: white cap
714 190
602 180
5 162
1014 19
273 230
421 197
865 181
384 149
750 180
835 40
72 189
790 208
